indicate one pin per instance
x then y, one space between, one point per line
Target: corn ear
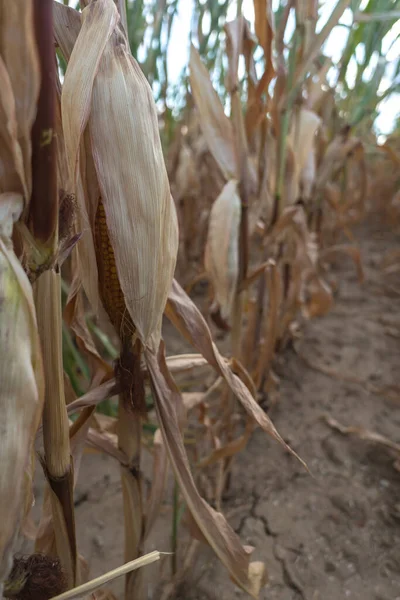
140 213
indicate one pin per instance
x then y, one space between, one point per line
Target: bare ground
330 536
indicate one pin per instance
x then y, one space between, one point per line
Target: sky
389 109
179 50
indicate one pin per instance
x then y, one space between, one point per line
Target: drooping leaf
212 524
216 127
186 317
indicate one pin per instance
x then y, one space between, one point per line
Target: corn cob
110 290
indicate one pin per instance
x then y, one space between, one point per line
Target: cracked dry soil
330 536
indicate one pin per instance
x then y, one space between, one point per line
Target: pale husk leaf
129 164
21 393
222 247
302 136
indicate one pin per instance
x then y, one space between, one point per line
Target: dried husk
302 136
222 247
111 95
21 371
21 386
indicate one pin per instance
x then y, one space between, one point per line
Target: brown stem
44 202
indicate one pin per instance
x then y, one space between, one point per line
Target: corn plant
89 242
98 196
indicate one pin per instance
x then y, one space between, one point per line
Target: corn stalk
43 223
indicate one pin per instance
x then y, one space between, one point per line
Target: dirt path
332 536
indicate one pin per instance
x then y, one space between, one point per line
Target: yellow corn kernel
109 287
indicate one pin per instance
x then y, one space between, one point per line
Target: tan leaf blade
93 397
92 585
264 26
19 59
67 25
74 316
229 449
215 125
352 251
212 524
98 23
106 442
160 471
186 317
363 434
274 286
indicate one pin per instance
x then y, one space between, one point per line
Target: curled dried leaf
186 317
212 525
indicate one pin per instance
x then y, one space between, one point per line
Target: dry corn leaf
363 434
94 396
212 524
106 442
270 330
102 594
315 47
102 422
67 25
188 320
186 178
316 296
81 590
302 136
239 370
183 363
264 26
111 93
334 158
229 449
352 251
192 399
307 177
393 155
74 316
315 85
239 40
22 384
12 168
160 472
19 66
45 542
215 125
222 247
